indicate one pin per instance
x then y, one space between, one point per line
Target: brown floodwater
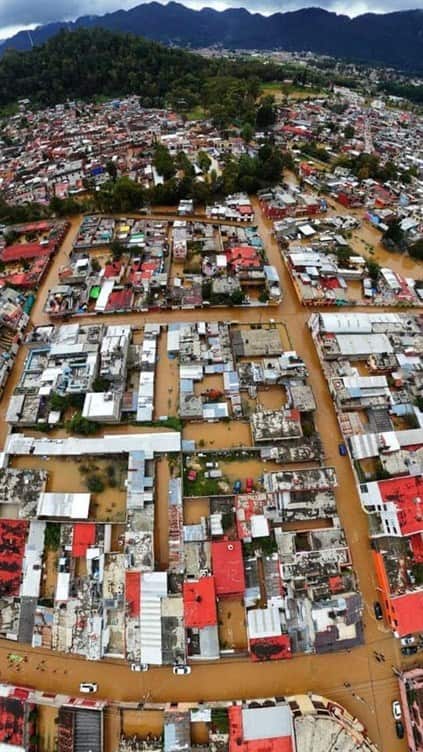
229 679
66 474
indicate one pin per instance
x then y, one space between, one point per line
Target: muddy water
219 435
161 523
67 475
166 400
367 242
374 682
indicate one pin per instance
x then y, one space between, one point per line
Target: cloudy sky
18 14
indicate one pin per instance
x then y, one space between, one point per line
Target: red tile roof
228 568
132 592
244 256
112 270
119 300
26 251
408 612
12 548
200 603
83 536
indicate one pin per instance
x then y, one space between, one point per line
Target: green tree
112 170
373 269
204 162
163 162
266 113
247 132
394 233
416 250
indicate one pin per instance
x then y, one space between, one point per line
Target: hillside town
211 435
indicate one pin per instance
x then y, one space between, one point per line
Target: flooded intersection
231 678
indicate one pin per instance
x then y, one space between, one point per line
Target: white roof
14 408
307 230
355 322
102 406
259 526
106 288
194 372
73 505
267 723
62 586
410 437
354 344
149 443
264 622
369 444
365 382
154 583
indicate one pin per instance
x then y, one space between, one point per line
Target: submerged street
373 684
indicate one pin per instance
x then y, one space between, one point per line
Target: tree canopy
89 63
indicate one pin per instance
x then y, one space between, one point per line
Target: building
228 568
411 691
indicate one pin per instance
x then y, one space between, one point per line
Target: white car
139 666
181 670
408 640
396 710
88 687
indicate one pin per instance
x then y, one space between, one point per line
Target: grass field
197 113
280 90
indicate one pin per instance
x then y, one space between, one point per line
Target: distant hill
391 39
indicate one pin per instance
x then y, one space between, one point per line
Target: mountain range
391 39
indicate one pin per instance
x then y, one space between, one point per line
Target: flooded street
230 679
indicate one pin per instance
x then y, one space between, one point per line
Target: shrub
95 484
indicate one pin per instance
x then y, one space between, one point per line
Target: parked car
399 728
249 485
237 486
408 640
139 666
342 450
377 608
88 687
192 475
213 474
181 670
396 710
409 650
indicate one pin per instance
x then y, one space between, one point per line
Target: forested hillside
91 63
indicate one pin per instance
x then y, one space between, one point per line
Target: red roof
112 270
119 300
200 603
408 612
25 251
228 568
41 226
335 584
132 592
237 743
83 536
407 495
416 543
270 648
12 548
244 256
